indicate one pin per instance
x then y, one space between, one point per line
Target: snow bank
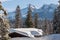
49 37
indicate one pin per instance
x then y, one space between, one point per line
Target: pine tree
36 20
18 23
50 27
0 6
45 26
29 22
4 25
56 20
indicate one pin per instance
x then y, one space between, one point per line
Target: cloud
4 0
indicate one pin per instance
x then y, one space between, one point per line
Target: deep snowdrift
48 37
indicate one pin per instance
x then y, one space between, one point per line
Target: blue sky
10 5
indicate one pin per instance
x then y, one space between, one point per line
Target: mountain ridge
46 11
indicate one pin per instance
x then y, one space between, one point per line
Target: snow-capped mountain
45 11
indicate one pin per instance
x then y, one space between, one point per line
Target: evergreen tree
56 20
4 25
29 22
36 20
0 6
18 23
45 26
50 27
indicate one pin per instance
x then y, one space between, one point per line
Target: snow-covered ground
48 37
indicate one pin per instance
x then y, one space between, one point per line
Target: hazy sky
10 5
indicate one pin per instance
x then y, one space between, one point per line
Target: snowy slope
49 37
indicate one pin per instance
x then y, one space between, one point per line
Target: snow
51 37
48 37
26 31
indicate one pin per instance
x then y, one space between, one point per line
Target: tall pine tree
18 23
45 26
36 20
56 20
29 22
4 25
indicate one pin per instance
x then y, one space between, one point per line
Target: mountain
46 11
